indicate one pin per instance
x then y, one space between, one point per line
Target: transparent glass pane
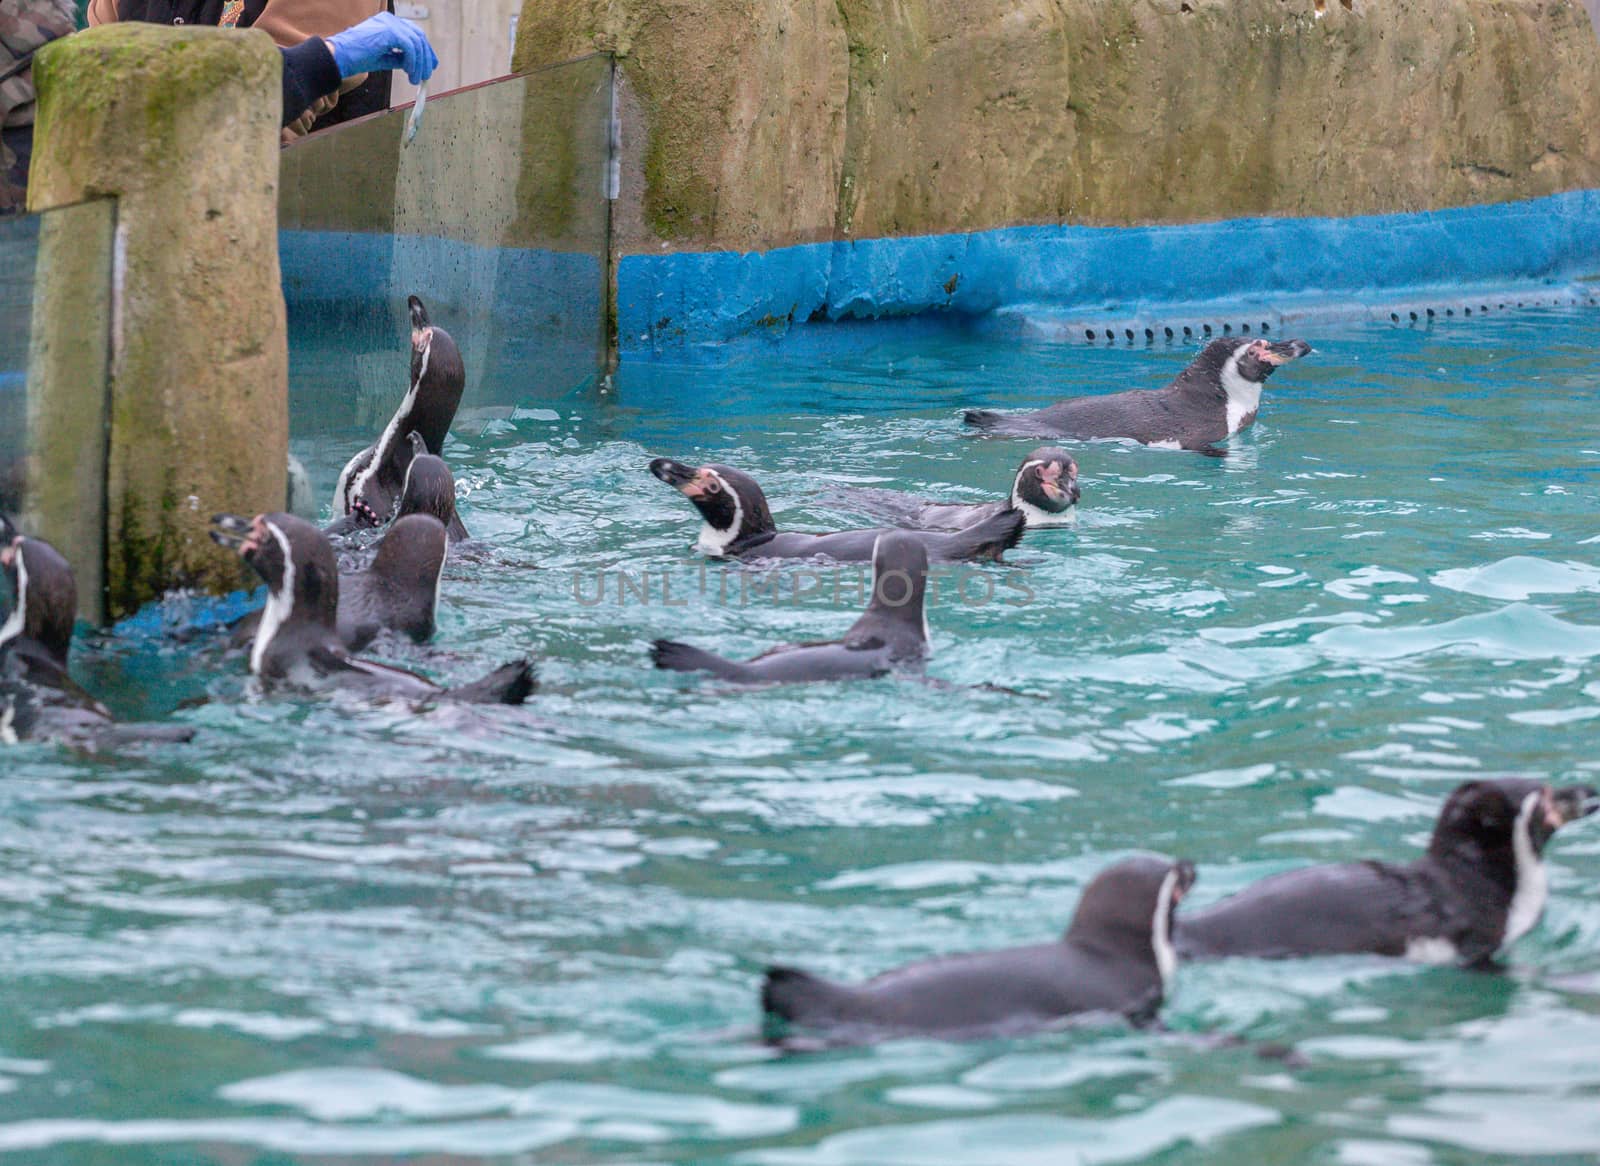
495 215
19 251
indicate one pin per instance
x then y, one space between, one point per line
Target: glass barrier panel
55 342
495 215
19 252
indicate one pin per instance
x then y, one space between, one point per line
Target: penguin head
1047 480
729 500
429 488
900 577
1484 822
293 558
419 314
44 594
438 378
410 558
1250 361
1256 360
1127 910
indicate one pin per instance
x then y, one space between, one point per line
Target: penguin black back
400 589
44 599
1116 957
892 633
738 523
1480 886
1215 396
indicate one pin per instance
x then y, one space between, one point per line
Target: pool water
330 932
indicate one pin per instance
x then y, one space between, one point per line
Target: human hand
301 126
381 42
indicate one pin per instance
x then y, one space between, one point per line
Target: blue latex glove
383 42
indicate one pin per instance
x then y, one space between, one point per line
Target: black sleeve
309 72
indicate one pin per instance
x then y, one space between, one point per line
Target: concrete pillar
180 125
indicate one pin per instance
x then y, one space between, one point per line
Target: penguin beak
233 532
686 479
1281 352
1050 483
1568 804
8 556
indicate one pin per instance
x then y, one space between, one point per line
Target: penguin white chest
1533 881
1244 396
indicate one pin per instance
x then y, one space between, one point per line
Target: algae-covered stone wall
757 123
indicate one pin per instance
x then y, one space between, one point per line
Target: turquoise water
328 932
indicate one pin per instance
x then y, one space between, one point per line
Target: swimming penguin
1480 887
738 523
1210 401
430 488
38 698
397 591
298 641
1045 490
1116 957
891 634
370 483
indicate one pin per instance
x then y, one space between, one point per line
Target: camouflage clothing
24 26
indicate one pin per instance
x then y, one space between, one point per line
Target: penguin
1116 957
397 591
1210 401
370 483
430 488
298 642
892 634
39 700
738 523
1045 490
1480 887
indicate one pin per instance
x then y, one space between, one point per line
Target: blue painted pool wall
671 302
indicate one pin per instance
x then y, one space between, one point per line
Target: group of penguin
1480 886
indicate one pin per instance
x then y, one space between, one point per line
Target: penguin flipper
511 684
242 631
798 997
672 656
143 733
988 539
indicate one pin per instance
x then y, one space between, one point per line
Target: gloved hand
381 42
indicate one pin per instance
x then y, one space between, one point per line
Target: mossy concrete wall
758 123
181 127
